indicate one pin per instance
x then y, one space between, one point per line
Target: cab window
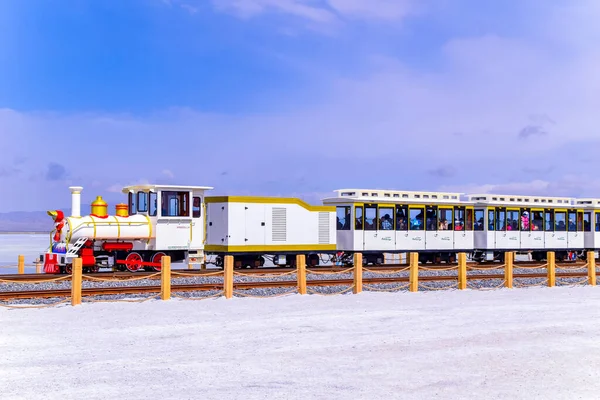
142 202
343 218
152 206
132 204
196 209
174 204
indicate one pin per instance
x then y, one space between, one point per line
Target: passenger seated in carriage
443 225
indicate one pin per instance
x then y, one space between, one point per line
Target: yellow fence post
21 265
551 269
414 272
228 277
509 260
38 266
591 262
358 273
301 273
76 278
462 271
165 277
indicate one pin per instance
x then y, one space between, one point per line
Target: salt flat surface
541 343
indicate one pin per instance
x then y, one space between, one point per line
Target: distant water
31 245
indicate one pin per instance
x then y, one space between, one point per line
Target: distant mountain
27 221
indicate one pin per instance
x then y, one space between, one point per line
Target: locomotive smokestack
76 201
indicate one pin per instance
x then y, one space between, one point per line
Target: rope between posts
486 268
516 283
62 278
221 293
34 305
437 269
541 266
88 300
330 294
442 288
470 286
93 278
272 274
394 271
371 287
266 295
344 271
197 275
571 268
581 282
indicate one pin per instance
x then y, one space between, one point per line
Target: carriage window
142 201
525 220
386 223
431 219
580 222
445 219
343 218
491 219
560 221
549 221
370 218
597 222
196 211
572 222
587 222
401 218
417 219
358 222
479 220
501 220
459 219
153 204
174 204
132 204
537 221
512 220
469 219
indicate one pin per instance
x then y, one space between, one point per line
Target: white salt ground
541 343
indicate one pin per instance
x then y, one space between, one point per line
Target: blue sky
297 97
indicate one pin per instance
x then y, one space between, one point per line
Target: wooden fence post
591 261
358 273
462 271
509 260
228 277
21 264
165 278
551 269
414 272
301 273
76 278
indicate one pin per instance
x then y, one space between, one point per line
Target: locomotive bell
99 208
122 210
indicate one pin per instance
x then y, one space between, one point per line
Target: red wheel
156 259
134 262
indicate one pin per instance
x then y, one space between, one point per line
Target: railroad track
103 291
260 271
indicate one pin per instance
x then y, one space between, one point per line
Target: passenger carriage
436 224
531 224
591 223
